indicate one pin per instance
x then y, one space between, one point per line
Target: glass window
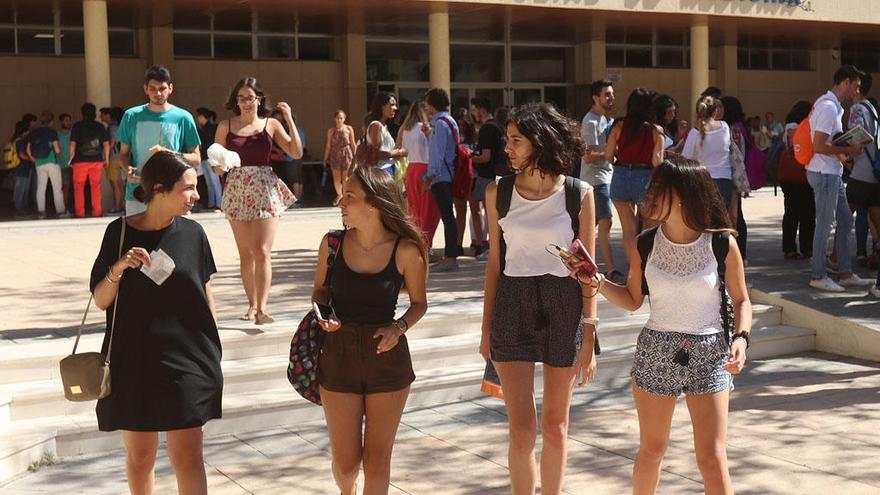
122 43
760 52
38 12
671 57
638 56
276 47
647 47
6 14
36 41
523 96
780 59
544 25
615 35
800 60
315 48
72 42
477 63
232 46
397 61
557 95
192 45
537 64
476 23
232 20
120 16
396 24
638 36
7 40
71 14
614 56
311 23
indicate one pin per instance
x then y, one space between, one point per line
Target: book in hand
491 381
852 137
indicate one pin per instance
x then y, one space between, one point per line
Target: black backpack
720 248
504 193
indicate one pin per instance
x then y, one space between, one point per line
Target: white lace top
683 279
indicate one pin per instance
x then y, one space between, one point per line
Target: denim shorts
602 200
480 185
655 371
629 184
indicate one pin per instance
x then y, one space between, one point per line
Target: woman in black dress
165 369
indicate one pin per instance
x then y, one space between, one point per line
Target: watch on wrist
589 320
742 335
401 325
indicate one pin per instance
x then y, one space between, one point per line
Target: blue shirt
142 128
441 149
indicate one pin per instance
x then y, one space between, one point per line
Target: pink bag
755 160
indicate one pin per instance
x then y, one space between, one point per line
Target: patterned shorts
538 320
654 370
255 193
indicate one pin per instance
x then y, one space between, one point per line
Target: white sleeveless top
387 144
416 144
529 226
683 279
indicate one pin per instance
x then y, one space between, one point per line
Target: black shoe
461 250
479 249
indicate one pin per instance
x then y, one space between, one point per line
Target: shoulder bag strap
334 240
82 323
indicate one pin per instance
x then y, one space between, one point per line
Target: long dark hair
701 204
638 110
379 101
384 195
661 104
248 82
733 110
556 142
164 169
798 112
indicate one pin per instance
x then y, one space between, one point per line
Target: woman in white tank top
379 149
682 348
533 312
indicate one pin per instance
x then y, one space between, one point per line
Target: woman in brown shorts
364 368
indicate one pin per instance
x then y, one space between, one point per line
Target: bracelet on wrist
401 325
742 335
107 278
113 274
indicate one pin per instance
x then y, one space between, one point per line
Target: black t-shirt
206 135
490 138
89 137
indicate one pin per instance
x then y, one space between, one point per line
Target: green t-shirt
48 159
141 129
64 141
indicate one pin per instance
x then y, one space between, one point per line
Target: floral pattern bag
305 345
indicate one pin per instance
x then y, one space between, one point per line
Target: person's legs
825 196
861 231
709 419
212 182
185 454
261 246
629 223
80 176
243 233
42 182
558 384
383 412
602 202
140 459
476 210
443 196
843 216
789 218
344 414
96 172
806 205
460 220
337 184
518 383
54 172
655 421
66 184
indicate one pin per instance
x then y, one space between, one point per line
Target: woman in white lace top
683 347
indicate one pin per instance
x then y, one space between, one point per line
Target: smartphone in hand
322 311
577 253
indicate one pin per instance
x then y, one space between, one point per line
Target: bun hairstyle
706 107
556 141
163 169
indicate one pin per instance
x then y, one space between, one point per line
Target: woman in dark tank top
364 368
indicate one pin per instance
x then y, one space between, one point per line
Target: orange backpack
802 142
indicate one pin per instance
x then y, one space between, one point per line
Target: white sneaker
875 291
826 284
855 281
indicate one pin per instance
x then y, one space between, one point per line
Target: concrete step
260 409
36 399
37 360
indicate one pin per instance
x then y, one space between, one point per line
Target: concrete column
162 37
827 58
97 52
438 45
353 46
728 70
598 64
699 56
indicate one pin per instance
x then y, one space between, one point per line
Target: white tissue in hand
218 156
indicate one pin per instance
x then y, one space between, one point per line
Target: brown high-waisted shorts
349 364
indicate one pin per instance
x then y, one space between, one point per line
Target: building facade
329 54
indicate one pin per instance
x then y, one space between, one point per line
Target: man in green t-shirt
155 124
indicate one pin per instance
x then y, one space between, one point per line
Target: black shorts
348 362
537 319
862 194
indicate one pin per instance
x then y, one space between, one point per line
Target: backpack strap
645 244
720 247
573 203
503 194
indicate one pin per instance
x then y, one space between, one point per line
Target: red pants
93 172
422 206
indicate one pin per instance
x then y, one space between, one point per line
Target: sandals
262 318
249 315
793 255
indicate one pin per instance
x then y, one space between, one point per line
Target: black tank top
365 297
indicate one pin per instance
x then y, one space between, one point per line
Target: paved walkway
804 424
